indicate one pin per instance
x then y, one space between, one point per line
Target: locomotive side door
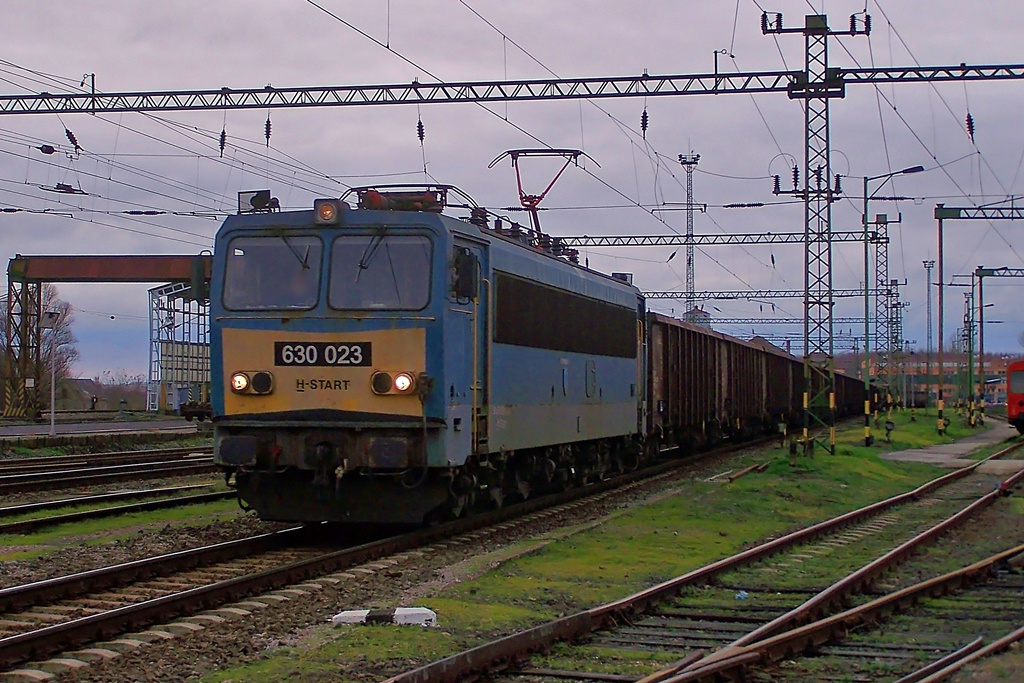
467 349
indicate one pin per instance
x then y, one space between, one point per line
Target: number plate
325 354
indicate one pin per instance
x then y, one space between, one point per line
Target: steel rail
40 464
514 647
832 596
26 508
821 631
939 664
29 525
993 648
825 601
99 469
21 483
42 642
74 585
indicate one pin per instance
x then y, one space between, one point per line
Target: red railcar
1015 394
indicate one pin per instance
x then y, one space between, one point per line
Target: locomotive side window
382 271
272 273
540 316
1017 382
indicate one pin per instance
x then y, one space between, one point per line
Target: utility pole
894 342
689 161
969 349
981 344
943 213
928 265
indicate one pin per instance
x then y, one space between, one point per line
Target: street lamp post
48 321
981 344
928 265
867 296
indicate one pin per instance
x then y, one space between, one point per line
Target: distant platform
952 454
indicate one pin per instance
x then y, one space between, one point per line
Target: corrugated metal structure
179 348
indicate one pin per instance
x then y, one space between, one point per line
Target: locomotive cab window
380 271
279 272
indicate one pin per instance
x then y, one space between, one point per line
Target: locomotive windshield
381 271
272 273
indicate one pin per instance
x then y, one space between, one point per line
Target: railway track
75 475
684 619
39 619
48 463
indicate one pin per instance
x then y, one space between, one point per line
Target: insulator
853 24
420 132
970 126
796 177
817 176
478 216
223 140
778 21
266 130
777 189
764 22
643 123
867 24
72 139
839 184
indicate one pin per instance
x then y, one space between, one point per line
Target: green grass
110 529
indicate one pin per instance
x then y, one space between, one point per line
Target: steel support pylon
819 358
689 161
21 374
816 86
883 304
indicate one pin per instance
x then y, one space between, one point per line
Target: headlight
392 382
404 382
327 211
239 382
252 382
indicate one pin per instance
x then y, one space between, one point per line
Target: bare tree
122 385
61 340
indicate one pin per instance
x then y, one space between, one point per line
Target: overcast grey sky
171 162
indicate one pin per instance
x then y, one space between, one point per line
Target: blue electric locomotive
386 363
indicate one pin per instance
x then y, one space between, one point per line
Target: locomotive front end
324 408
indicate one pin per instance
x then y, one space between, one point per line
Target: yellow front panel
331 387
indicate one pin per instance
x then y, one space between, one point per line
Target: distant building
920 374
